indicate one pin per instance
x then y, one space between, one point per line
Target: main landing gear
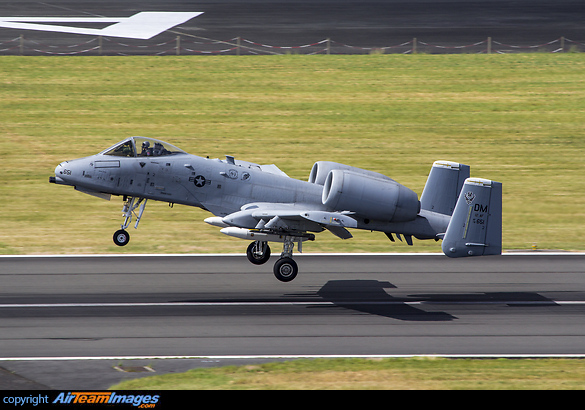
121 236
285 268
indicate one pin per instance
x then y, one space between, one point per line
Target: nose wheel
121 237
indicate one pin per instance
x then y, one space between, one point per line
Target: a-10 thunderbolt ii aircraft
262 204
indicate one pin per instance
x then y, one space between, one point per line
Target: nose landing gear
121 236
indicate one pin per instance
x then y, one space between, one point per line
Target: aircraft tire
121 237
285 269
255 258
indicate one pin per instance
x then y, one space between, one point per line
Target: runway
362 25
213 309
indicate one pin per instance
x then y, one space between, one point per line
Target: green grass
517 119
379 374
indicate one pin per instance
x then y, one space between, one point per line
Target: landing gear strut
121 236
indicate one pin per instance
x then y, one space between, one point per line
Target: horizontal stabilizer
476 225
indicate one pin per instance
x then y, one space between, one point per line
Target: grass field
378 374
517 119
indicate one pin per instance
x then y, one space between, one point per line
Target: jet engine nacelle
375 198
321 169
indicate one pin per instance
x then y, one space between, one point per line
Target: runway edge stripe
275 357
162 255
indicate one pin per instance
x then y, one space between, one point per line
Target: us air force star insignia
469 197
199 181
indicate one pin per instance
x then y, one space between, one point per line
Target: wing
288 219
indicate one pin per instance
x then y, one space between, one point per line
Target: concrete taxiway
63 313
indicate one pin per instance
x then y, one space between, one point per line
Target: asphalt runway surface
68 321
363 25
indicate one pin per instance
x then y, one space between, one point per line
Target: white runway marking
277 304
143 25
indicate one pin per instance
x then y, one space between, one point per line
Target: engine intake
375 198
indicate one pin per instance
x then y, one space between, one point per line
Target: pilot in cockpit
146 150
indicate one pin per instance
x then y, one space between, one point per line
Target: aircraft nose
60 172
60 169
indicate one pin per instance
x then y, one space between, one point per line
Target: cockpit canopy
142 147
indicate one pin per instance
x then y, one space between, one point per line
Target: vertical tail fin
443 186
476 225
